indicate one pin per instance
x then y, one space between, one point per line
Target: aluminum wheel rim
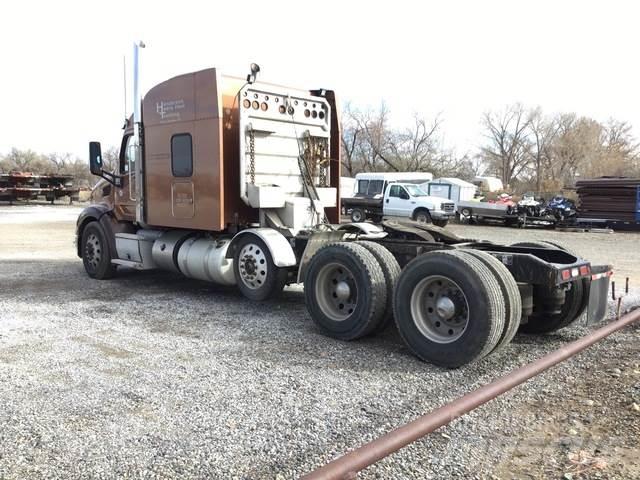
439 309
336 291
421 218
93 250
253 266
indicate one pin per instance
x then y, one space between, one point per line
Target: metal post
347 466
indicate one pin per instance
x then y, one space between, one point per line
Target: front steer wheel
345 291
257 276
96 255
449 308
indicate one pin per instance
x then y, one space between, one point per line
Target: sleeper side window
362 186
181 155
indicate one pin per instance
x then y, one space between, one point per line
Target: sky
62 62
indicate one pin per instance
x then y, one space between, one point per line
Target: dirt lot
152 375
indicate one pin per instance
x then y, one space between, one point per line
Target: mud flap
598 293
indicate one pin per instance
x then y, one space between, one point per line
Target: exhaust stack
137 168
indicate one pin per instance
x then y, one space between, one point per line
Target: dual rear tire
451 309
345 290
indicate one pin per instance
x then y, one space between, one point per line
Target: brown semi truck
237 182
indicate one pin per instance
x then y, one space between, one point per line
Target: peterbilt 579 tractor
236 182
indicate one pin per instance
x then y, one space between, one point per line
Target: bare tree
620 148
59 161
379 139
543 131
508 146
417 148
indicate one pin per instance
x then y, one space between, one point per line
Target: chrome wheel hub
253 266
93 251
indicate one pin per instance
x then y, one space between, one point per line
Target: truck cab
409 200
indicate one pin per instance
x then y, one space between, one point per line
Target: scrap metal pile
27 186
609 198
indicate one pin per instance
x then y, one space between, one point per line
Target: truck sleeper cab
237 183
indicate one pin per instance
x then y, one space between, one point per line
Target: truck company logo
169 110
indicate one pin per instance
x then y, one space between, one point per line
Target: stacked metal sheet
610 198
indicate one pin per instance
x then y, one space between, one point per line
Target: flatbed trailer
238 183
507 215
28 186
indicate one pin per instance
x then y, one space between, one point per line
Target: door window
394 191
125 153
181 155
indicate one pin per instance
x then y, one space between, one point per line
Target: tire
477 301
422 215
510 292
441 223
391 271
358 215
257 276
466 212
574 304
346 266
96 255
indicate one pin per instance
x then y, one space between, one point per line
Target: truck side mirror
95 158
95 165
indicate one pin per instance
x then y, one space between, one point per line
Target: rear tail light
585 270
566 274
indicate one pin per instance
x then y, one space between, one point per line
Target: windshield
415 191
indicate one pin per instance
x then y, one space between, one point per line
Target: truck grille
448 207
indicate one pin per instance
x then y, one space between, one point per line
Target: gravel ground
152 375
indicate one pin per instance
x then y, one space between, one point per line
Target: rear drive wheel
257 276
345 290
96 255
466 212
510 292
391 271
449 308
357 215
575 301
422 216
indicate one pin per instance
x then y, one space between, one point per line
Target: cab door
398 202
125 199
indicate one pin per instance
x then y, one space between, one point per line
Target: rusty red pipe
347 466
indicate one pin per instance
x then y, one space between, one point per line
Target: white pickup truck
400 200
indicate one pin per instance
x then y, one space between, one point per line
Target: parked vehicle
562 208
237 183
401 200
